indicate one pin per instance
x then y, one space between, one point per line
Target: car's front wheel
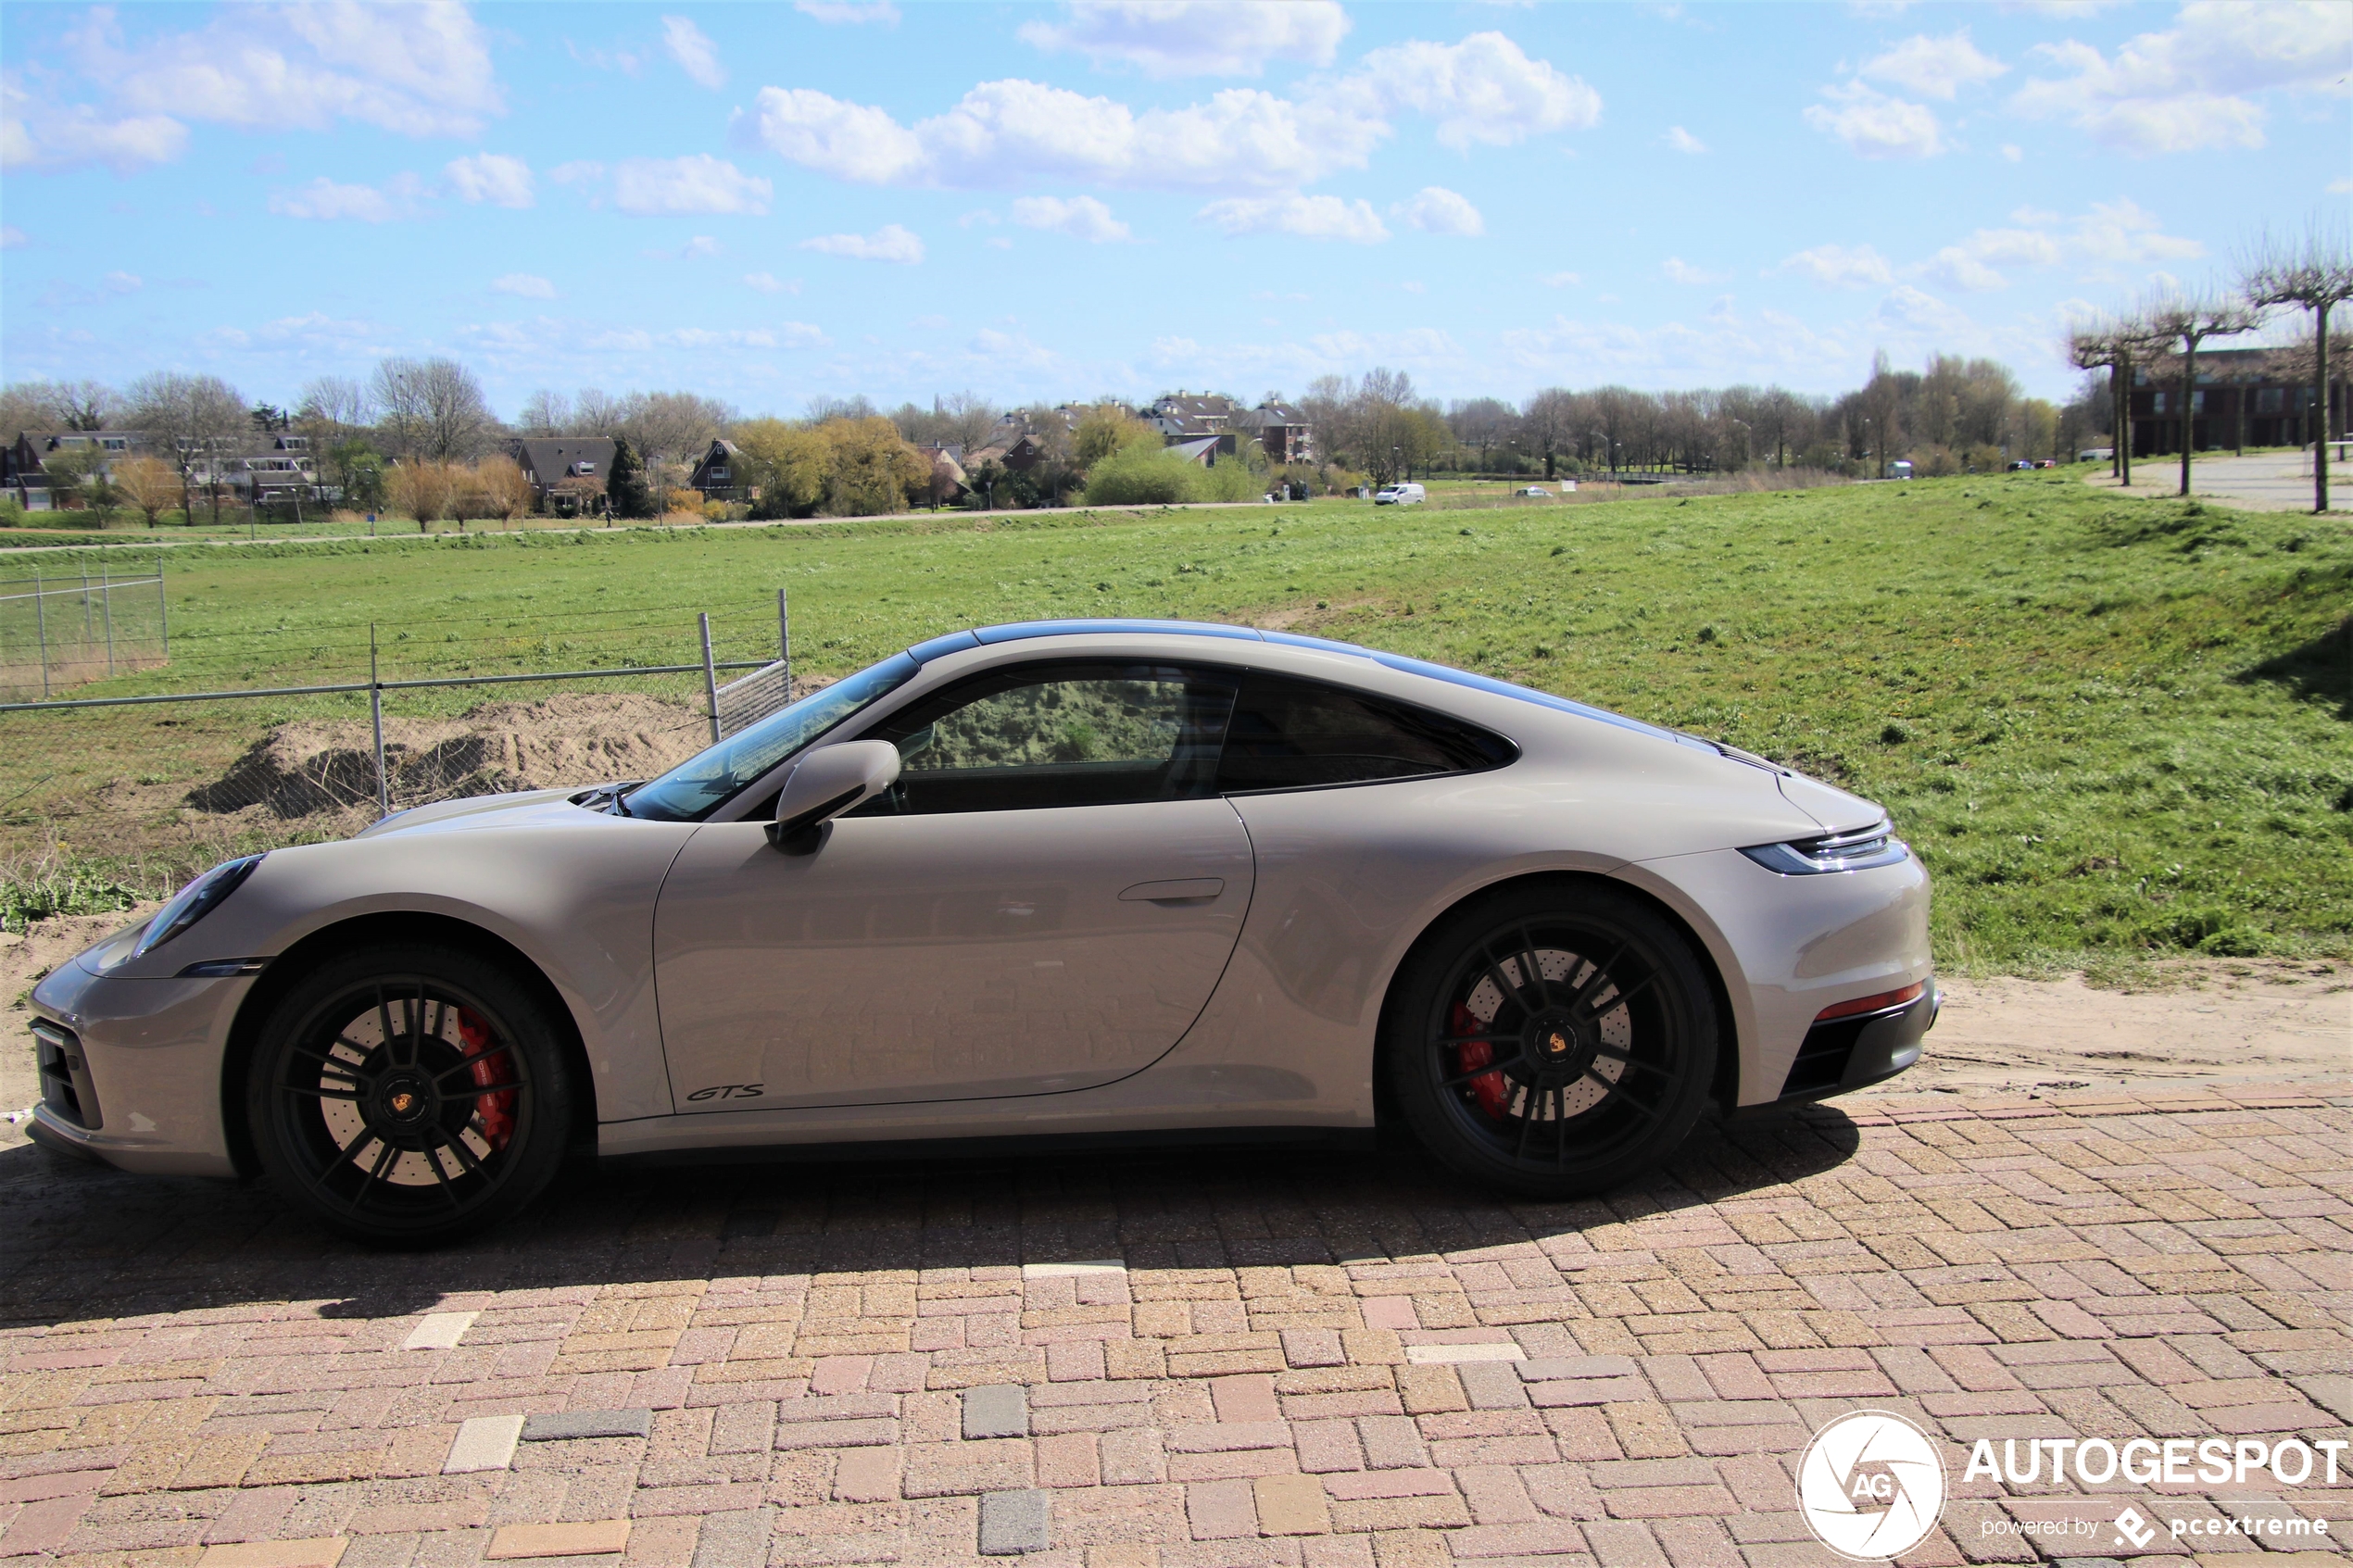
408 1093
1552 1039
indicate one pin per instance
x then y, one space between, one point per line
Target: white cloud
889 242
1874 125
698 247
1683 141
11 237
2013 153
580 172
1678 270
34 134
2342 186
1438 210
1414 285
694 51
324 199
1082 217
1168 38
697 182
1955 268
1482 89
1312 217
2191 87
415 71
524 285
768 282
852 13
1936 67
121 282
2123 232
1561 280
491 177
1840 268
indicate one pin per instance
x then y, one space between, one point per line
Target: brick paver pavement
1189 1360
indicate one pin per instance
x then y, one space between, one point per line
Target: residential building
2244 396
1282 428
1184 416
718 474
567 472
25 477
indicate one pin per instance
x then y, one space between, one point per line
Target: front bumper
137 1079
1846 1054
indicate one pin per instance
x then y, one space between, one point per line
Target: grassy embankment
2112 727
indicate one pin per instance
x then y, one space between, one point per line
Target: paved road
1200 1359
2274 482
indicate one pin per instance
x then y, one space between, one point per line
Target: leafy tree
1142 476
1107 428
625 487
874 473
788 464
358 469
148 483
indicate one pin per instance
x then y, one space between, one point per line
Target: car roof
1021 630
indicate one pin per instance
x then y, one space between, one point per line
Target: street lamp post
1397 465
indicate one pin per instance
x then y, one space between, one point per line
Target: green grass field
2113 728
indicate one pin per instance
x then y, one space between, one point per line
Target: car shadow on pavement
87 1242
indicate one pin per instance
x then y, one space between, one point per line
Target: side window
1297 734
1073 734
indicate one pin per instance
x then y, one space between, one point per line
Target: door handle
1184 890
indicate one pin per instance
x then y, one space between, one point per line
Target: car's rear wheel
408 1094
1552 1039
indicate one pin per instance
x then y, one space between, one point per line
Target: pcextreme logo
1871 1486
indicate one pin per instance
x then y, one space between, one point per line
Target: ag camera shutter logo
1871 1486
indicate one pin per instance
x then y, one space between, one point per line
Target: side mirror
829 781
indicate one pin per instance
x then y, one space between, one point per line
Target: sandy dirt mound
323 767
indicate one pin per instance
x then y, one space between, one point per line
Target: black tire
1599 1031
410 1094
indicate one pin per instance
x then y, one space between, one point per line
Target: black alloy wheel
1553 1039
408 1095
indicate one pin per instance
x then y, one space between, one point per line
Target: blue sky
770 202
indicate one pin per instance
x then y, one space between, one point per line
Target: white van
1399 495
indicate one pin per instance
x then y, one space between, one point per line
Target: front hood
475 812
1835 809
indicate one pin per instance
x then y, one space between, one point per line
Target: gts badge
728 1091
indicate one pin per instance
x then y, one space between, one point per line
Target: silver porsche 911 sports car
1080 880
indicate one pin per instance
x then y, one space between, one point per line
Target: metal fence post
376 712
105 609
784 639
40 629
709 674
163 610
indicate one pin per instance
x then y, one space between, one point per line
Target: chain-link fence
158 783
59 631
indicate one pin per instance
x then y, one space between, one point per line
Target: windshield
701 785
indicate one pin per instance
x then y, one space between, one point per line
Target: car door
1044 902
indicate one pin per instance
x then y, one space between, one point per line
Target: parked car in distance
2022 466
2096 453
1900 469
1534 490
2048 463
1399 495
1109 881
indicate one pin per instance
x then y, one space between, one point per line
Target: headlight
194 901
1856 851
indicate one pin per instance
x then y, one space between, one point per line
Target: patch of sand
2214 1022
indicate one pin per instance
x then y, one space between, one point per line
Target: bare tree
196 422
672 427
332 408
1549 423
545 413
594 413
68 405
1480 423
431 409
2185 321
2317 274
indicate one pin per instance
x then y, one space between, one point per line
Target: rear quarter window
1288 734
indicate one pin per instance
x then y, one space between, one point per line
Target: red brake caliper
1493 1092
497 1109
